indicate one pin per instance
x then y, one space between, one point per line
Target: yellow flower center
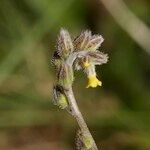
93 82
86 64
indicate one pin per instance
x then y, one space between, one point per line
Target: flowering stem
78 116
81 53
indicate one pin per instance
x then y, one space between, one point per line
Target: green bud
59 98
62 101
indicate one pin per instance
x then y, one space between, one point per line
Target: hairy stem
78 116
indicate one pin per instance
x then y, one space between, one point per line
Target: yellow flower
86 64
93 82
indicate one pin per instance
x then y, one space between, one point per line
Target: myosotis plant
80 53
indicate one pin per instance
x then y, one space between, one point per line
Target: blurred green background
117 113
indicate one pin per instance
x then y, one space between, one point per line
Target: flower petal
93 82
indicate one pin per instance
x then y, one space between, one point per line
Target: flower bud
59 98
64 44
